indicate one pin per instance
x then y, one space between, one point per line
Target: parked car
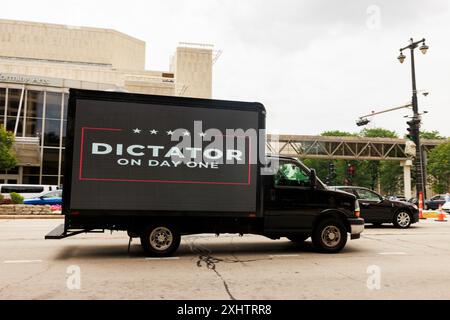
435 202
377 210
27 191
446 207
50 198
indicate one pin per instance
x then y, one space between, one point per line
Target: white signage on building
31 80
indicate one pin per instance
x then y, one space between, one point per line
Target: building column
407 165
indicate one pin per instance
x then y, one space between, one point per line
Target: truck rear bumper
60 232
357 227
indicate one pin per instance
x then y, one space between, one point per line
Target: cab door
290 202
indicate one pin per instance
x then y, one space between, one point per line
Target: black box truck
162 167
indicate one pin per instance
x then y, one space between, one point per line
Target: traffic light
332 170
351 170
413 129
362 122
331 174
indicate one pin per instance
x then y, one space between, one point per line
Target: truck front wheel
160 241
330 236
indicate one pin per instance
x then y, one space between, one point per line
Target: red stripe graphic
81 178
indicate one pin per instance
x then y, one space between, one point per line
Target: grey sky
316 65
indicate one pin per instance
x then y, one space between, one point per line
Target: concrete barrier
430 214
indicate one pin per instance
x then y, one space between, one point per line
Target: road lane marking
392 253
169 258
285 256
21 261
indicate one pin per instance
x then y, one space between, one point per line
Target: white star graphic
186 134
137 130
170 133
153 132
202 134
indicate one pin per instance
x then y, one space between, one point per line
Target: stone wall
21 209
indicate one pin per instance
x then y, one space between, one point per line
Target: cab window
368 195
290 174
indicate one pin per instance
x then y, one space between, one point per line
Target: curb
30 217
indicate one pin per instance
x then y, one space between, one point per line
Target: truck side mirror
313 178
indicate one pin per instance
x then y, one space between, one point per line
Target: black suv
377 210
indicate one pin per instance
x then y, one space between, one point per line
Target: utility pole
414 124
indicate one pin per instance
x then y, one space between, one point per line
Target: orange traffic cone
441 215
421 216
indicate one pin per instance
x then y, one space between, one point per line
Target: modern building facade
39 63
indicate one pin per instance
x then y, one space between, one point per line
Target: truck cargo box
124 157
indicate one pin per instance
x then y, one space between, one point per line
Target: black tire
402 219
299 238
160 240
324 230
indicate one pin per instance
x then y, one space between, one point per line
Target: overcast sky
315 65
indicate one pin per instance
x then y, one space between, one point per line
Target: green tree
337 133
7 157
321 166
367 173
431 135
439 167
391 177
378 133
388 173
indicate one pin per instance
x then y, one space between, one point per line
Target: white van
26 190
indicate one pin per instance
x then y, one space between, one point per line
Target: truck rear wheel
330 236
160 240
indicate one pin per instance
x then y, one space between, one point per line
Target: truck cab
298 205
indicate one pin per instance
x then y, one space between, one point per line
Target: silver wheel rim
331 236
403 219
161 238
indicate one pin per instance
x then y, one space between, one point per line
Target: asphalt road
402 264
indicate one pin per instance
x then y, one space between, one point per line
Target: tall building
40 62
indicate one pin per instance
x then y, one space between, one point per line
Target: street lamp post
419 163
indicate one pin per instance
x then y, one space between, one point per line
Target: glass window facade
2 106
42 114
34 113
12 109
